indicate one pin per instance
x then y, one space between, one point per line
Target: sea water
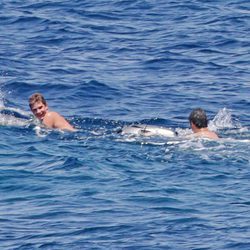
103 65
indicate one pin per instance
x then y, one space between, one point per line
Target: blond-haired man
50 119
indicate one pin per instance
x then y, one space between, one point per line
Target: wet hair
199 118
37 97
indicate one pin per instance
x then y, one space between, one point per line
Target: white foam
14 117
223 119
8 120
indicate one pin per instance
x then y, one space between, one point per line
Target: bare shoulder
53 114
213 135
55 117
208 134
60 122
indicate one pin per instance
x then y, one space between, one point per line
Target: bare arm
55 120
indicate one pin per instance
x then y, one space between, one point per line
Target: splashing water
14 117
223 119
1 98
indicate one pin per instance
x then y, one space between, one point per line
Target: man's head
198 118
38 105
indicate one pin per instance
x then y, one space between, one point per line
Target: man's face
39 110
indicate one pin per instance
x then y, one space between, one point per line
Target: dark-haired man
198 122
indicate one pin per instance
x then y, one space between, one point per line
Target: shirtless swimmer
50 119
198 122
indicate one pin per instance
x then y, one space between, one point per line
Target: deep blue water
104 64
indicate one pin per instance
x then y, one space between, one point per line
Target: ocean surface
106 64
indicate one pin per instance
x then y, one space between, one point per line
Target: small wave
95 86
14 117
224 119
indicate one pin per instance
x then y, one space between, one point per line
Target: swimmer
50 119
198 122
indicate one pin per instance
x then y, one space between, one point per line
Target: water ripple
105 64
